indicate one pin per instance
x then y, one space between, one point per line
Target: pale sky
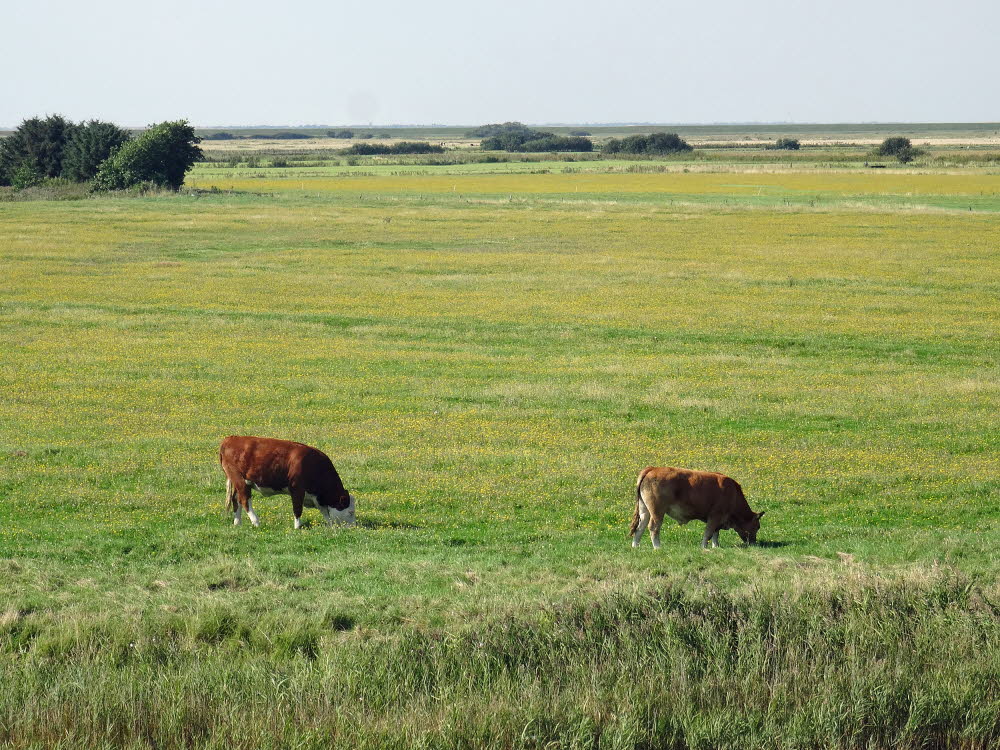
296 62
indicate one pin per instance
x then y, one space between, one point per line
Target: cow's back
686 494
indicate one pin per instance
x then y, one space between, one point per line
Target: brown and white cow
687 495
281 467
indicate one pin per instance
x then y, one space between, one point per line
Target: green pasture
490 360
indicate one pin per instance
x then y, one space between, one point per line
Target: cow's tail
230 495
638 501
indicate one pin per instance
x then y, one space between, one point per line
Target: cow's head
346 514
748 529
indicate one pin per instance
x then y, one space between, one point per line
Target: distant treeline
403 147
284 135
516 136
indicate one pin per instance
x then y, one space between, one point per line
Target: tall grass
841 659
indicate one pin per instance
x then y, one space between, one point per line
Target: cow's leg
643 521
231 502
712 526
242 502
655 522
298 496
251 514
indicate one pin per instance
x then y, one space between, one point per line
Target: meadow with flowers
490 359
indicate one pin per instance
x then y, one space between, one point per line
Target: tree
892 146
899 147
38 144
162 155
89 145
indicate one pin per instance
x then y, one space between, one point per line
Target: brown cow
281 467
686 495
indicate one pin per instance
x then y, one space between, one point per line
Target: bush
513 137
403 147
580 132
161 155
558 143
654 143
37 143
340 133
786 144
222 135
89 145
25 176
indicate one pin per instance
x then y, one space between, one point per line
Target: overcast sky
297 62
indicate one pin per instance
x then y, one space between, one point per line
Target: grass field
490 359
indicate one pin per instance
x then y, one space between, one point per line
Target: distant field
840 136
490 359
745 131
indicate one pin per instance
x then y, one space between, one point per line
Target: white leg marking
298 523
253 516
655 536
237 515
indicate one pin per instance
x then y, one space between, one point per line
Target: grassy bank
489 360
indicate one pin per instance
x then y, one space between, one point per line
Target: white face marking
345 516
